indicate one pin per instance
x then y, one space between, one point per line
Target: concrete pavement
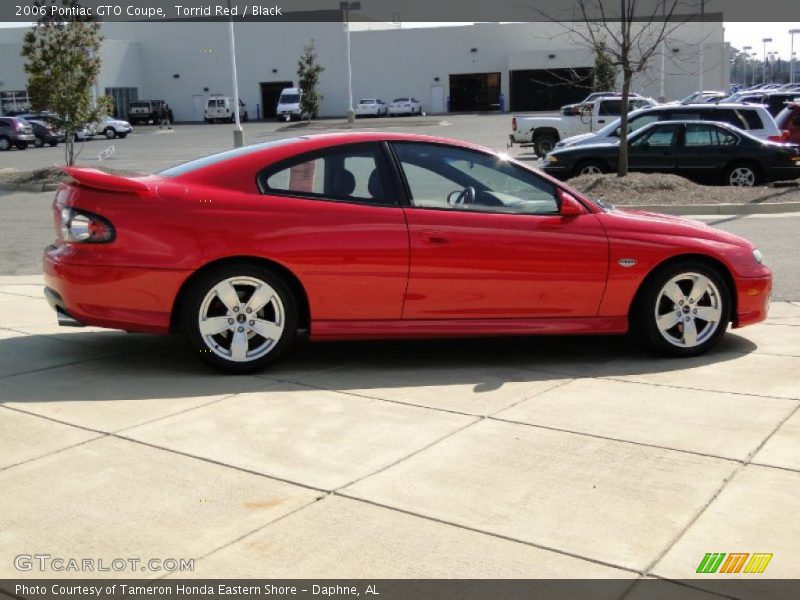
518 458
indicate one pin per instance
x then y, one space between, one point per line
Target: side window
727 116
610 108
351 173
444 177
701 135
752 118
640 121
660 137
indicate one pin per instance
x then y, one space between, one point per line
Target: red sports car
382 235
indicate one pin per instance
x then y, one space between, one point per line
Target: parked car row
375 107
704 151
40 129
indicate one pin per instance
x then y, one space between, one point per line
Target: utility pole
791 55
238 134
764 64
702 44
346 7
746 60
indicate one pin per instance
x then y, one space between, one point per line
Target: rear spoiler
100 180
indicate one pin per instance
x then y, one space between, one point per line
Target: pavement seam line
683 584
539 393
175 414
407 457
680 387
489 533
725 482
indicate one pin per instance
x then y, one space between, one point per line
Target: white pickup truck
545 132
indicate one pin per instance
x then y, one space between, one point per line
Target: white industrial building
457 68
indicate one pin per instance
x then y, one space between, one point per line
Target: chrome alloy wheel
241 319
688 310
742 177
591 170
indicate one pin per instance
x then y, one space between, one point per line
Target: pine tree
605 74
308 72
62 64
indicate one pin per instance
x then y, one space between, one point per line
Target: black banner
399 10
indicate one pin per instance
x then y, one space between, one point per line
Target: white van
220 108
289 104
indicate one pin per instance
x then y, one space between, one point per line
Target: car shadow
116 366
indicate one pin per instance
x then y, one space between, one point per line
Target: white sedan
371 107
112 128
405 106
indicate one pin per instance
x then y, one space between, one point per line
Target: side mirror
570 206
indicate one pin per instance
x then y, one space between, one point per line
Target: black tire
53 143
650 301
5 144
587 166
110 133
741 168
544 143
122 136
193 304
21 145
39 142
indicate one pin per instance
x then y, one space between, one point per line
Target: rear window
752 119
290 99
213 159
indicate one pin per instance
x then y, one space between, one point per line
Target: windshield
290 99
206 161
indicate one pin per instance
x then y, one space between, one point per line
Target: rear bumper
752 300
133 299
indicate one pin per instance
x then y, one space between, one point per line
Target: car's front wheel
590 167
109 133
239 318
684 310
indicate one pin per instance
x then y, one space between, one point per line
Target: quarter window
448 178
352 173
705 135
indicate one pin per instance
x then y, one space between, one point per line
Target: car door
654 150
341 229
705 149
487 240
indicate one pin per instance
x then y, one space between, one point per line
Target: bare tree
629 33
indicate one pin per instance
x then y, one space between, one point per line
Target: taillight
18 125
513 123
779 138
81 226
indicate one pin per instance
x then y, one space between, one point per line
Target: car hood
583 148
632 222
583 138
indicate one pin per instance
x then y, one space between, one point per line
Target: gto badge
626 262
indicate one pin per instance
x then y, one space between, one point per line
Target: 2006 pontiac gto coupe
376 235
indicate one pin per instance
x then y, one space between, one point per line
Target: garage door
549 89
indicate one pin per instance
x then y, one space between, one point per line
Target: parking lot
506 458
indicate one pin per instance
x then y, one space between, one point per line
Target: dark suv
144 111
15 131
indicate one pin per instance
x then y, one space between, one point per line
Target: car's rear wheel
239 318
684 310
544 143
39 142
742 175
590 167
5 144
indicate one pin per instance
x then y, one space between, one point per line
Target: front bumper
24 137
752 300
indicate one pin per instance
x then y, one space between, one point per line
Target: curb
29 187
767 208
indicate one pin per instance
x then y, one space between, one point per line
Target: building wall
386 63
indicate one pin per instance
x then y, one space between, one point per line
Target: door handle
435 237
601 120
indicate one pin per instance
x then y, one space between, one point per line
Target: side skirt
442 328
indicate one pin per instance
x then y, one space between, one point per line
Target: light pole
346 7
791 55
238 134
702 42
764 64
753 56
747 55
